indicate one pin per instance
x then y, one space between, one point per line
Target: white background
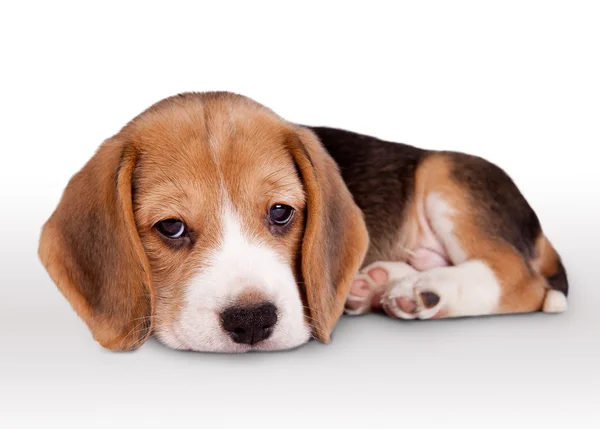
514 81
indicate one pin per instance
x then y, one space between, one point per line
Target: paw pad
429 299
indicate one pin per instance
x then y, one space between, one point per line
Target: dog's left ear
335 237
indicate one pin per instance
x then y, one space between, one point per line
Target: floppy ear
335 237
92 251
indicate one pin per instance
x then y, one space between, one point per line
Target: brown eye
280 214
172 228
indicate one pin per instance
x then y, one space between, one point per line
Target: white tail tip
555 302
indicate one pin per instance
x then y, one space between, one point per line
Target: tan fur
523 289
188 157
546 260
81 251
336 238
214 149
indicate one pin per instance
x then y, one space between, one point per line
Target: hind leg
488 274
484 285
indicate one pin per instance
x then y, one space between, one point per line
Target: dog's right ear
92 251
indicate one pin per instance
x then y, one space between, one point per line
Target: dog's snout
249 324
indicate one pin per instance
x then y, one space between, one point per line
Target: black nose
249 325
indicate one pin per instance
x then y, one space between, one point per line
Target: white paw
419 296
469 289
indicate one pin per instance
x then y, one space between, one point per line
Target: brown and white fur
450 234
433 234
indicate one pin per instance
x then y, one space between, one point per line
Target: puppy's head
210 222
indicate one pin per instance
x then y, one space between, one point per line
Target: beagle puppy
216 225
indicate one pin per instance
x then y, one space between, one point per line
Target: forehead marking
213 143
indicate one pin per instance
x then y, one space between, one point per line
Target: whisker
135 330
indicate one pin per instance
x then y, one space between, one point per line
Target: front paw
420 296
371 282
366 289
